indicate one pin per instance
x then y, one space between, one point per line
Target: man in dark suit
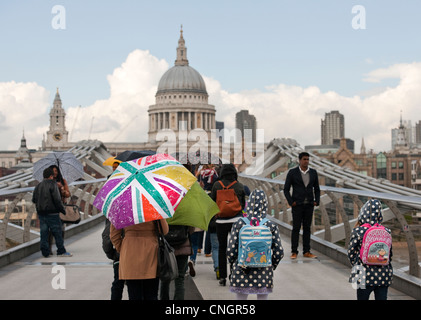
305 196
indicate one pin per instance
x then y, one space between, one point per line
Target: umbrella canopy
110 161
146 189
70 167
195 210
132 155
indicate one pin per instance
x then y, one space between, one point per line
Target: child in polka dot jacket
245 281
368 278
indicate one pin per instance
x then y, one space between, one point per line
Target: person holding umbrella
137 194
62 184
117 285
48 204
63 188
139 258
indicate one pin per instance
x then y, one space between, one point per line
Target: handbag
167 262
72 215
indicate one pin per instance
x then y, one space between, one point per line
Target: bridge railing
333 219
19 223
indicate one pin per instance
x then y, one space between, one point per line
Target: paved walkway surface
88 275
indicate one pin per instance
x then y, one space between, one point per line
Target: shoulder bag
72 215
167 262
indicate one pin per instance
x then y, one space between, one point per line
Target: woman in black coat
227 175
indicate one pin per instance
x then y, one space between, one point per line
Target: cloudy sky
288 62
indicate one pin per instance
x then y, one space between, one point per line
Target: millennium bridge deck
88 275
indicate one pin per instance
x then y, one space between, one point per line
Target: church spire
401 138
57 100
181 51
23 140
362 151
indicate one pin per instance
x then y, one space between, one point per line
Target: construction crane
74 123
90 129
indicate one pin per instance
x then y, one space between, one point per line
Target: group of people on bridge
252 257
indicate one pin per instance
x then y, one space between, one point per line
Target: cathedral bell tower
57 135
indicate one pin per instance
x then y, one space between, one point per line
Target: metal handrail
273 189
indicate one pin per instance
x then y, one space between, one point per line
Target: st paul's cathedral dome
181 99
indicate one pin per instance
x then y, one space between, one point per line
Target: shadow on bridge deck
88 276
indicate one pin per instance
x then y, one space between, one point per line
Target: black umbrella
132 155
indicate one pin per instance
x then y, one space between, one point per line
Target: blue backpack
255 245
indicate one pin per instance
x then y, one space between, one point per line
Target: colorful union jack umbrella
145 189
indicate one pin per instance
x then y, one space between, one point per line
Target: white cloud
281 110
123 116
296 112
23 106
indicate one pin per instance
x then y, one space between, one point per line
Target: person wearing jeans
47 199
51 223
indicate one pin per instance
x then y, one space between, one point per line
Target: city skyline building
247 124
332 127
404 135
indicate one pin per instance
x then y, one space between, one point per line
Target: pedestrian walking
48 204
305 196
179 238
207 177
246 280
375 273
64 190
117 285
139 258
228 176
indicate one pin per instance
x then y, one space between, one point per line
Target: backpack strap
229 186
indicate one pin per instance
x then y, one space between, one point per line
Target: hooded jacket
254 280
370 213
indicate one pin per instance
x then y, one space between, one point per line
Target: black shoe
223 282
